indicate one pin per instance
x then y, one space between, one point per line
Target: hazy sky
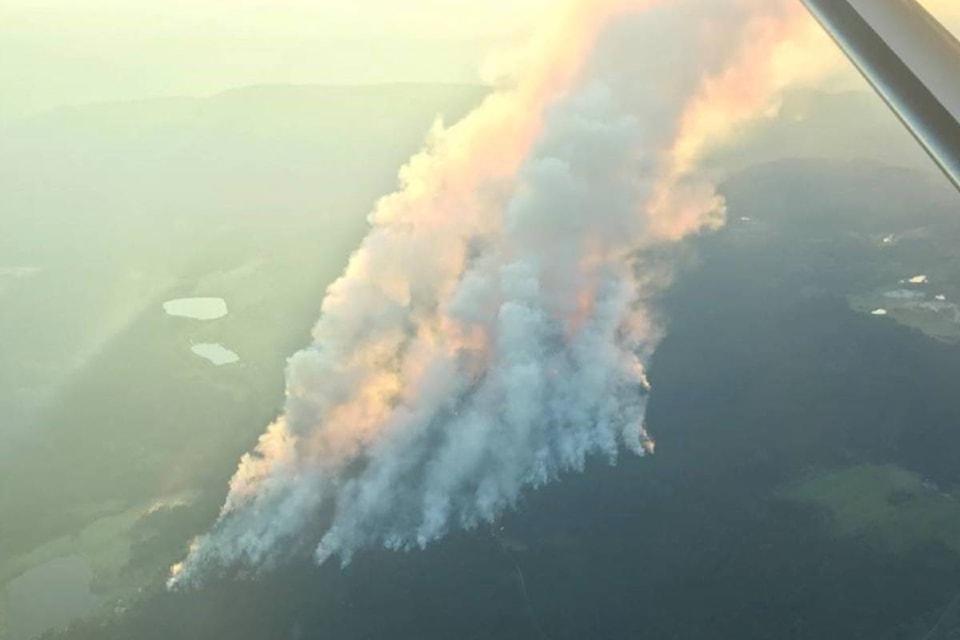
68 51
946 10
55 52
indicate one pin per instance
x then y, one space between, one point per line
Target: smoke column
492 331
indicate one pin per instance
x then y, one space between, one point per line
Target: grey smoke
491 334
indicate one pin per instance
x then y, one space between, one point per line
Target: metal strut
911 60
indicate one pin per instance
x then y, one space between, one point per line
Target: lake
215 353
196 308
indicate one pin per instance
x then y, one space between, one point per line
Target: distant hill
834 125
272 150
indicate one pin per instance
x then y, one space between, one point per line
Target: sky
56 53
948 11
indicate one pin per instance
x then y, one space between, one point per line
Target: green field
884 504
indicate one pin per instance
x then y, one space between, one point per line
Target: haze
549 288
58 53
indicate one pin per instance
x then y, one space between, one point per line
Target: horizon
103 50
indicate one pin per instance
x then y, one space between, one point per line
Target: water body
196 308
49 596
215 353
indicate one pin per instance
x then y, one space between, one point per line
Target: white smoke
493 330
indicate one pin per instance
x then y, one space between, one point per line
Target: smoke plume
492 331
